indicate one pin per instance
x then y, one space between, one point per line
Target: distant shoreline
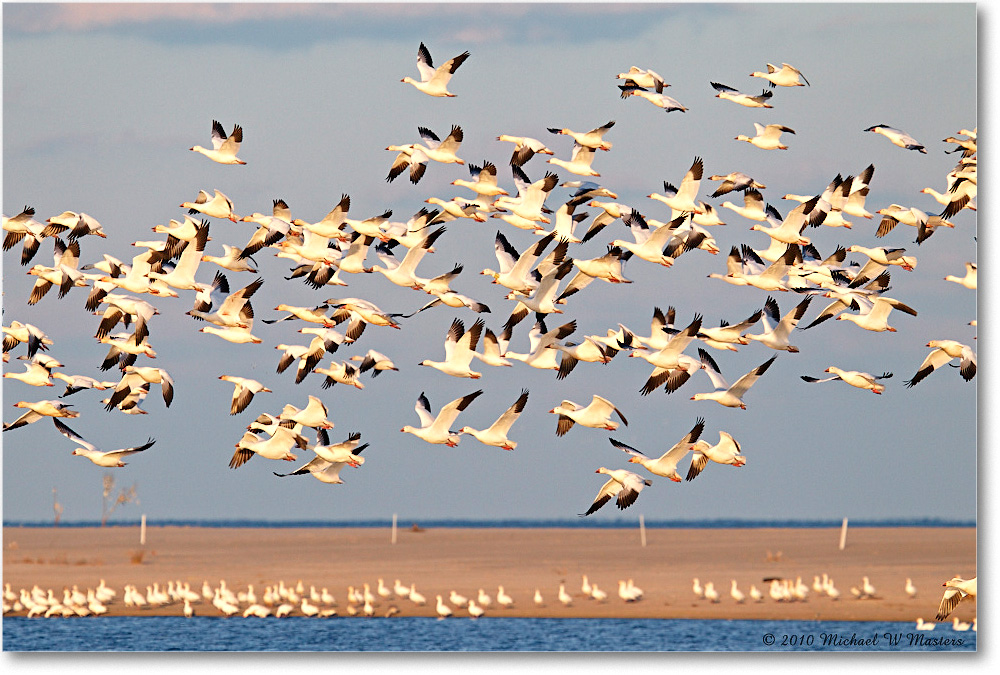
441 559
405 523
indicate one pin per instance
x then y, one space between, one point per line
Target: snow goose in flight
39 409
75 383
79 224
530 201
314 415
542 299
456 207
943 351
346 451
854 378
435 429
730 396
596 415
343 372
135 376
515 268
359 308
735 181
403 160
182 276
894 214
125 308
876 317
403 272
591 139
666 464
377 362
332 224
243 392
110 458
957 589
882 256
753 207
484 180
725 336
789 231
437 150
124 350
232 259
492 354
525 148
730 94
650 244
771 278
671 366
434 81
63 273
726 451
623 485
459 346
224 148
35 374
607 267
589 350
452 299
18 332
969 280
684 198
767 137
644 78
496 433
786 76
231 306
659 99
580 161
24 226
278 446
216 206
542 353
897 137
777 337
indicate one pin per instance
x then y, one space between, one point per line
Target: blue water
416 634
622 523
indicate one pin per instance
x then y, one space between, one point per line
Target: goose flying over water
110 458
725 394
623 485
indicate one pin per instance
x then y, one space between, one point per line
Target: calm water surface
404 634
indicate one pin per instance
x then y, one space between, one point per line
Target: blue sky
101 104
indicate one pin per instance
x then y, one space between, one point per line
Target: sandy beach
439 560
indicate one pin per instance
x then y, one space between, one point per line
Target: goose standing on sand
666 464
110 458
898 138
854 378
957 589
503 599
623 485
436 429
564 597
730 396
224 148
496 434
911 590
434 81
597 415
786 76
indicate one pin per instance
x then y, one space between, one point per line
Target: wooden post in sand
843 534
142 531
394 528
642 529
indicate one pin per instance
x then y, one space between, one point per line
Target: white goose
767 137
434 81
729 94
726 451
685 198
666 464
529 204
876 317
243 392
854 378
515 269
110 458
591 139
786 76
596 415
39 409
957 589
580 161
897 137
496 433
503 598
623 485
278 446
777 337
524 148
730 396
659 99
943 351
436 429
224 148
216 206
459 347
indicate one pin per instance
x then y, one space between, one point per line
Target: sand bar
439 560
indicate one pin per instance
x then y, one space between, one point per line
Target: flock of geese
540 279
381 599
